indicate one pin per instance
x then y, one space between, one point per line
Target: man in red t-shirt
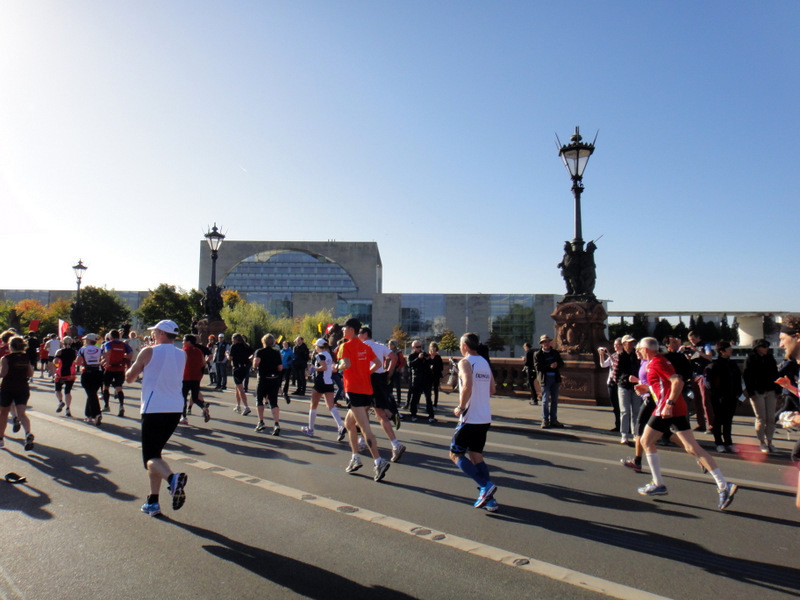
192 375
671 412
357 361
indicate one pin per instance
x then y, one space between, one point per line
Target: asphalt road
278 517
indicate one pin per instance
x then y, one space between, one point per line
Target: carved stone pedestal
580 331
206 328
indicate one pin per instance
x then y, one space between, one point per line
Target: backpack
115 355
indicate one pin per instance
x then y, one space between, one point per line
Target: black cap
760 343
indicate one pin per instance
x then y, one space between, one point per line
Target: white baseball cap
166 326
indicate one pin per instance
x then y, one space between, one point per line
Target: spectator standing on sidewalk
611 362
548 371
760 373
629 400
725 383
287 358
221 363
529 368
300 364
700 355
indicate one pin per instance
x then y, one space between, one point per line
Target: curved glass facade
282 272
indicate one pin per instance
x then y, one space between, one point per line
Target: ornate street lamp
77 308
213 303
576 156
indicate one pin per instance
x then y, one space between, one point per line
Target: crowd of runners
349 371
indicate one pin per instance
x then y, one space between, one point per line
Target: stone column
579 332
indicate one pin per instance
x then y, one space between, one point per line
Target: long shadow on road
302 578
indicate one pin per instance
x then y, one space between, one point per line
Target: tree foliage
167 302
495 343
103 310
449 342
231 298
400 336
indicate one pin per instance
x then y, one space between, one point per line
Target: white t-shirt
381 351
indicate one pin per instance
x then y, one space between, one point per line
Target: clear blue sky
126 128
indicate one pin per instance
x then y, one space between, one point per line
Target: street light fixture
576 156
213 303
77 308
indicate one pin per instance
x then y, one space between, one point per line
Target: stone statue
579 272
213 302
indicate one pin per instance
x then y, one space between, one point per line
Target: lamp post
576 156
77 308
213 303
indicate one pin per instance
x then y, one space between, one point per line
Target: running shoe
276 430
340 434
492 505
261 426
16 426
354 465
29 442
206 414
397 452
98 420
106 408
67 413
288 399
184 421
631 464
151 508
771 448
60 407
176 490
431 420
246 411
308 431
121 412
486 494
237 409
651 489
189 411
726 495
380 469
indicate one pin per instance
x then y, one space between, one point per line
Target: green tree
449 342
103 310
495 343
618 330
195 299
250 319
6 306
681 331
167 302
662 329
639 328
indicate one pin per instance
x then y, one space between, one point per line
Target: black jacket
760 373
543 364
627 366
724 379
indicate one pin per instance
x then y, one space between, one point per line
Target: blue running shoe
176 490
486 494
726 495
492 505
152 509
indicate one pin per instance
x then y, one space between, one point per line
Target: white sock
312 417
395 444
377 460
654 461
361 440
356 457
337 417
718 477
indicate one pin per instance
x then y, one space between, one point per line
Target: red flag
63 328
34 326
329 328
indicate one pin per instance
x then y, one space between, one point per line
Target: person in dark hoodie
725 384
760 373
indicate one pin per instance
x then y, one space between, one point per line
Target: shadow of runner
302 578
25 498
77 471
